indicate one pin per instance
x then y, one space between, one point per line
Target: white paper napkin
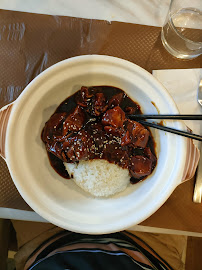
182 84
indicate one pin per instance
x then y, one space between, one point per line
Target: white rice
99 177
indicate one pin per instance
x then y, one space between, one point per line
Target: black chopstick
172 130
167 116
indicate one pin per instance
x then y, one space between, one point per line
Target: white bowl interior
61 201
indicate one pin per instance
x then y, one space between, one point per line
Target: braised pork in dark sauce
92 124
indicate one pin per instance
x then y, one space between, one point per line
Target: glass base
174 52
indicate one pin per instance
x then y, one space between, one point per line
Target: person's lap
30 235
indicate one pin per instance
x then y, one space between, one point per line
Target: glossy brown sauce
154 104
92 124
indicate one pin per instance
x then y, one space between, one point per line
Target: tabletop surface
146 12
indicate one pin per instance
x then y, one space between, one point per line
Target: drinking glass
181 34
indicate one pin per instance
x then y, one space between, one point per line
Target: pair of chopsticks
140 117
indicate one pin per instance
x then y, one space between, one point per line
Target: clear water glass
181 34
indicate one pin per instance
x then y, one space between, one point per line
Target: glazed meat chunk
83 97
138 134
74 121
114 117
140 166
99 104
115 100
52 126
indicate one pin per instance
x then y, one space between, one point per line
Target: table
142 12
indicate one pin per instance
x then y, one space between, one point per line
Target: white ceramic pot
59 200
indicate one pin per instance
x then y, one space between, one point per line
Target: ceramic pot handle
4 117
193 155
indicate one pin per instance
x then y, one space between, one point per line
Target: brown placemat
30 43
